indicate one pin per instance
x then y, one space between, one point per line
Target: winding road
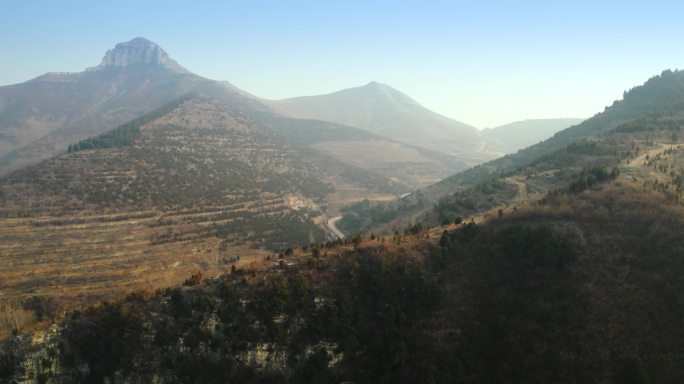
333 228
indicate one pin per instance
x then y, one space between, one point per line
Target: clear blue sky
481 62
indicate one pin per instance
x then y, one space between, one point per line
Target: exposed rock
139 51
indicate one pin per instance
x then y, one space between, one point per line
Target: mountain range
409 143
176 161
559 263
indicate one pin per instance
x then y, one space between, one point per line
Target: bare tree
13 316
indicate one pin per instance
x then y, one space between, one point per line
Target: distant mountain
40 117
383 110
510 138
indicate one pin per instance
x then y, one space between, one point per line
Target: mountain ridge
42 116
381 109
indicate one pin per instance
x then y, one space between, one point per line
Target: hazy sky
481 62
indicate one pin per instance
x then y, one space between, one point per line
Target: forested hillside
583 289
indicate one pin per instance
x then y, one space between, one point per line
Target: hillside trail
519 182
523 196
660 147
636 171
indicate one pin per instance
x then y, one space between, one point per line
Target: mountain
510 138
561 263
40 117
149 172
383 110
193 185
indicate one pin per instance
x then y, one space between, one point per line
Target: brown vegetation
13 317
199 187
584 290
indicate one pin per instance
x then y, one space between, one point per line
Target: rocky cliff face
138 51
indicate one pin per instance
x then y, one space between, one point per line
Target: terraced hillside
40 117
192 186
409 166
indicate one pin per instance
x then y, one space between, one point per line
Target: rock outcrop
139 51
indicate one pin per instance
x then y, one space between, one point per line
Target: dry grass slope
199 188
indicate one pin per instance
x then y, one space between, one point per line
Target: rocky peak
139 51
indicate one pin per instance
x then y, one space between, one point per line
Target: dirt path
638 161
521 197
